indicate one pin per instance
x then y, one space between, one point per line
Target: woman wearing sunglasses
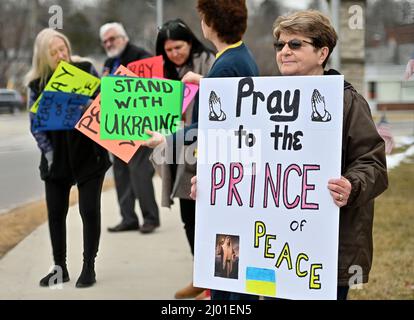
304 41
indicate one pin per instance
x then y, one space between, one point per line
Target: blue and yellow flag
261 281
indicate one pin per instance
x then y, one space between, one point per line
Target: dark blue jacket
234 62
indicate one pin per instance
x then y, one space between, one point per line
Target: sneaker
188 292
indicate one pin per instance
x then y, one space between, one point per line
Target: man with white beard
133 180
118 48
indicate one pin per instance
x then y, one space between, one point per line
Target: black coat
131 53
76 158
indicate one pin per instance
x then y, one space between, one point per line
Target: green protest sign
130 106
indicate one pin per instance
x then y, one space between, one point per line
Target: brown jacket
364 165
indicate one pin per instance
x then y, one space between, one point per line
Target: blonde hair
41 56
310 23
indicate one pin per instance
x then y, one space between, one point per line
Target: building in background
387 61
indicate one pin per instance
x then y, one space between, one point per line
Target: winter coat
364 165
76 158
176 178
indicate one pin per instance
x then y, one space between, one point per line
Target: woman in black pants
185 59
67 158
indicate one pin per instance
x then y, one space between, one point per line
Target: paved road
19 161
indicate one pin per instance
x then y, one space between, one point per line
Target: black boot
87 277
53 277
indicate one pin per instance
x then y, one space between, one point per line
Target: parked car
10 100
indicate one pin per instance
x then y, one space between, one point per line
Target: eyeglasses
294 44
111 39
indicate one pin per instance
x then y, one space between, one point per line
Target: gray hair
119 28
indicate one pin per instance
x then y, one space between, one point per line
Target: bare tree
14 35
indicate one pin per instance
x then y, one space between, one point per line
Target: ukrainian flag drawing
261 281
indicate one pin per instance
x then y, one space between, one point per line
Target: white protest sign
266 223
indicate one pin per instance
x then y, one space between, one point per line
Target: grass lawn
392 274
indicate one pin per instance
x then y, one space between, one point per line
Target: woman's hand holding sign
193 193
340 190
155 140
192 77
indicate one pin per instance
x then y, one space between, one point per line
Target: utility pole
159 13
336 54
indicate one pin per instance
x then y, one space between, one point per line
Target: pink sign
190 91
89 126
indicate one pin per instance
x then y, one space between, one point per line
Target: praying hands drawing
216 114
319 112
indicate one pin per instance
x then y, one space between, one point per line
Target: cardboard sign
266 222
89 125
190 90
70 79
148 67
131 105
59 111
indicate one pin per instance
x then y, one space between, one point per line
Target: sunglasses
294 44
172 25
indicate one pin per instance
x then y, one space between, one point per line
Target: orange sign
148 67
89 126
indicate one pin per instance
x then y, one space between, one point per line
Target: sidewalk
130 265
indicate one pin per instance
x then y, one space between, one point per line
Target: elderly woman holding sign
303 42
67 158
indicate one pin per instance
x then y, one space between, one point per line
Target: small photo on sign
227 256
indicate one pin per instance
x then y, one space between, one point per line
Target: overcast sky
300 4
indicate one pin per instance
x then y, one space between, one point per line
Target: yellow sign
70 79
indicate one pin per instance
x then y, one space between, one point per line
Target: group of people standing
303 43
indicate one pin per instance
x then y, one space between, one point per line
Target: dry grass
392 275
21 221
400 149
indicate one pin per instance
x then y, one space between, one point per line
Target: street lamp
159 13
